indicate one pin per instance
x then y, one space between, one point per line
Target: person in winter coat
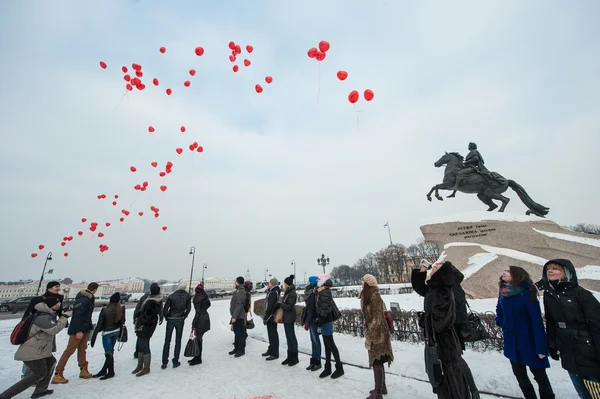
150 315
248 304
518 314
177 308
377 333
79 332
271 301
328 312
288 304
36 352
438 323
238 317
572 326
201 322
110 322
310 322
136 313
52 290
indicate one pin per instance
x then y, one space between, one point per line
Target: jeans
545 389
580 387
79 345
40 373
315 340
239 330
143 345
178 326
290 336
109 341
273 339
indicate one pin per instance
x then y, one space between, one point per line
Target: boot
42 394
312 363
104 368
240 353
287 359
140 365
59 379
146 369
326 370
339 371
294 359
84 373
164 365
317 365
384 388
110 368
176 364
378 376
196 360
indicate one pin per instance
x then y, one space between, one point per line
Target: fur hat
154 289
312 280
199 288
370 280
115 298
51 301
248 285
274 282
240 280
289 280
52 284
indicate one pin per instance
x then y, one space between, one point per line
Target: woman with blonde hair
377 333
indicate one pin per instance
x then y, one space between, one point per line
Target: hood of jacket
85 293
458 276
444 276
275 289
289 289
43 308
158 298
569 271
325 283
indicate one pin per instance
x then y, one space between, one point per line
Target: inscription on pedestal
472 231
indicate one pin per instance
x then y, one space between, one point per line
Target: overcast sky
283 176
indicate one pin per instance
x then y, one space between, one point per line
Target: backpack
20 333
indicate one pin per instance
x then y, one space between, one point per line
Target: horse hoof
429 198
440 198
451 196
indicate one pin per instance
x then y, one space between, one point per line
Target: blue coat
523 328
81 321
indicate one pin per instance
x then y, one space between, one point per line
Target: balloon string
122 97
319 82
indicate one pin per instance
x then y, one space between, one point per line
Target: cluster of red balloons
320 53
354 96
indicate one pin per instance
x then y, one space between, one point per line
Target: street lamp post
204 266
266 270
323 261
294 264
49 257
193 253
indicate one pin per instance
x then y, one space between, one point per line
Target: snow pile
567 237
512 253
477 262
481 216
589 272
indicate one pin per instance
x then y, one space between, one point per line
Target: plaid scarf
508 291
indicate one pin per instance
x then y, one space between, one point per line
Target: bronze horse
473 182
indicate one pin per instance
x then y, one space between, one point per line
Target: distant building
169 288
18 290
211 283
129 285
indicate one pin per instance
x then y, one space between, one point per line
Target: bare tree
586 228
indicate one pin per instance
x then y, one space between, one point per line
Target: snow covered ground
222 376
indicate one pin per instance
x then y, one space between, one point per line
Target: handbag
192 348
279 316
475 330
433 364
123 336
250 323
335 312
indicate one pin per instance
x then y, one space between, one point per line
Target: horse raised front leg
429 193
452 195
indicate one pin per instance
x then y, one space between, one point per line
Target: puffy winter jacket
201 320
572 322
178 305
271 301
82 313
289 304
150 315
43 331
309 314
325 303
238 301
39 299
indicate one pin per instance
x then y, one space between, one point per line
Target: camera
425 263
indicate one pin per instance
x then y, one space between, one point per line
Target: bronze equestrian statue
472 177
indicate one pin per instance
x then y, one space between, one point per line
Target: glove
306 326
67 314
554 354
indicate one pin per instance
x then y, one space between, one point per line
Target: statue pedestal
483 244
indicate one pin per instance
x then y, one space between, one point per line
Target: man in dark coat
438 322
149 316
572 323
272 298
79 331
201 322
238 317
177 308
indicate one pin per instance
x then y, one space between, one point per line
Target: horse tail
533 206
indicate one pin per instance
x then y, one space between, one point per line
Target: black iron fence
406 326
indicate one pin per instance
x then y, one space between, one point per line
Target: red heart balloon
83 220
249 48
162 174
353 96
199 51
163 188
80 233
182 128
369 95
323 46
66 254
41 247
33 255
312 53
186 83
179 150
155 81
200 149
163 50
192 72
235 68
164 228
154 164
342 75
141 213
169 91
269 79
150 129
258 88
247 62
102 64
133 169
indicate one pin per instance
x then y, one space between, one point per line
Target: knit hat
312 280
370 280
274 282
248 285
51 301
240 280
322 279
52 284
154 289
289 280
199 289
115 298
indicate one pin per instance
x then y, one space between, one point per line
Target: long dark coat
201 320
440 310
377 333
572 323
288 304
149 316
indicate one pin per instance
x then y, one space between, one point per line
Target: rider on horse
475 163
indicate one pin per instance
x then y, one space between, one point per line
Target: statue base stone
483 244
